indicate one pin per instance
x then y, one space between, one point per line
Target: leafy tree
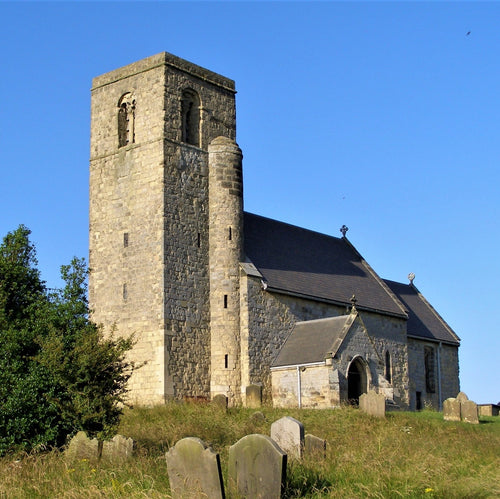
59 372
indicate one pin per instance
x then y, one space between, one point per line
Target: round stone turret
225 195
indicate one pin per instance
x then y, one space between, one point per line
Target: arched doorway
356 380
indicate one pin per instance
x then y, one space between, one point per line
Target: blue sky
380 116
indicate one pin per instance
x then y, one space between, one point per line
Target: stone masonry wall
316 387
125 286
186 219
448 368
268 319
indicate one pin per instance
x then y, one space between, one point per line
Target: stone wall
445 363
268 319
318 388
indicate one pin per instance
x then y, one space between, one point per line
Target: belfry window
126 120
190 114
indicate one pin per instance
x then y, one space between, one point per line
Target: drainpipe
299 388
440 404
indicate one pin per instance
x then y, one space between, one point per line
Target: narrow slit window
225 301
125 239
388 376
230 233
226 361
199 240
125 292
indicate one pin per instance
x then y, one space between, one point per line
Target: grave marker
194 470
257 468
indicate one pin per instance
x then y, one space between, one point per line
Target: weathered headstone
258 417
461 397
469 412
373 403
220 400
82 447
118 449
288 433
194 470
451 409
314 446
257 468
254 396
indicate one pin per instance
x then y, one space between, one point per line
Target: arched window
126 120
388 376
190 114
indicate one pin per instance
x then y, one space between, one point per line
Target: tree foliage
59 372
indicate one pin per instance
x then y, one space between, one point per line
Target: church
221 301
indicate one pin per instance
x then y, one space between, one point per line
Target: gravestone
461 397
258 417
254 396
451 410
118 449
82 447
194 470
220 400
314 446
373 403
469 412
257 468
288 433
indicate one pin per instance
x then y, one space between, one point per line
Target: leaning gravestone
82 447
469 412
257 468
194 470
373 403
314 446
462 397
451 409
288 433
254 396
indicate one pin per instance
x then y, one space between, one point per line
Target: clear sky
380 116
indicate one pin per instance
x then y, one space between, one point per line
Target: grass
414 455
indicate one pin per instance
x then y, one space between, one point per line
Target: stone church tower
164 245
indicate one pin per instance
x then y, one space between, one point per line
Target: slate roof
311 340
307 263
423 321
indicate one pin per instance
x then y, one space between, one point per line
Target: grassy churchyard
404 455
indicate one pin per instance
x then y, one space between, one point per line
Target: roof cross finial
411 276
344 230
